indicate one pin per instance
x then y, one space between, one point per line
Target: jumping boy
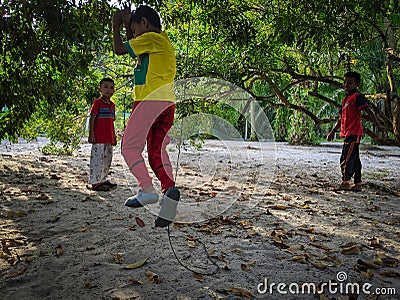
153 109
102 137
352 131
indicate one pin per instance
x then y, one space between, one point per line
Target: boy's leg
357 162
157 141
144 114
107 160
96 163
347 158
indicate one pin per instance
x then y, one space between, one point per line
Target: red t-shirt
352 105
104 125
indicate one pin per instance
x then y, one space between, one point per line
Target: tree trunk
393 97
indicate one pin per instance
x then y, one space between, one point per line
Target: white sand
274 215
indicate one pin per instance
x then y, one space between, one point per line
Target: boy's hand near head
126 16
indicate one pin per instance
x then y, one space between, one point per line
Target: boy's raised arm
119 47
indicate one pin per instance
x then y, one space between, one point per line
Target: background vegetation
289 55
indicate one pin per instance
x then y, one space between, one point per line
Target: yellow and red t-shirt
156 66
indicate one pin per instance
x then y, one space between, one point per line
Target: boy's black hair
144 11
355 75
106 79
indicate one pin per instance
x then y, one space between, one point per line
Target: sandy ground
256 220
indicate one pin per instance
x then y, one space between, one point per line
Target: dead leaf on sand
89 284
84 228
238 291
59 251
390 262
279 207
152 277
198 277
191 244
350 249
135 281
136 264
139 221
244 267
213 294
375 243
42 197
15 274
55 177
118 258
17 214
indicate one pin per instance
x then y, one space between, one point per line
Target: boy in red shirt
102 137
352 131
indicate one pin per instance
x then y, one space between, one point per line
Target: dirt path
266 214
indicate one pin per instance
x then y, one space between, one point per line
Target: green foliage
301 130
47 47
281 123
289 56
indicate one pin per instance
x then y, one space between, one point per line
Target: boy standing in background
352 131
102 137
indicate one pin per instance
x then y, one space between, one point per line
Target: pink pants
150 122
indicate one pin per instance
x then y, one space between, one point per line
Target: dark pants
350 163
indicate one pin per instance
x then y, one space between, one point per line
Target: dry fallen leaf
17 214
140 222
244 267
211 252
135 281
87 198
42 197
294 248
390 262
85 228
239 292
136 264
375 243
370 264
237 251
279 207
198 277
390 273
15 274
213 294
59 250
319 246
392 222
88 284
152 277
300 258
353 249
367 274
117 258
319 265
191 244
